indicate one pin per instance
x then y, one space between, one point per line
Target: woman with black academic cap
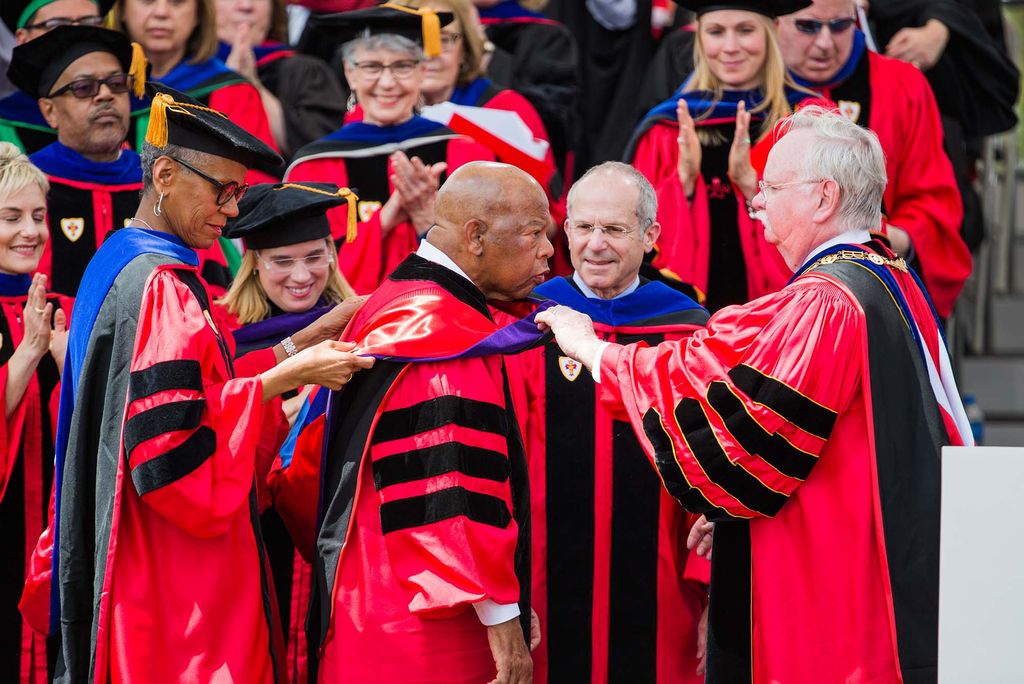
287 280
159 559
396 158
703 149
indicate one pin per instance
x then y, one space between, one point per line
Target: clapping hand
741 171
242 59
416 184
688 163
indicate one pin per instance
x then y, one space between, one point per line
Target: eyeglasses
812 27
401 70
449 41
225 191
85 88
313 262
612 232
50 24
764 186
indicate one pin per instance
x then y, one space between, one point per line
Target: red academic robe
493 97
26 475
372 255
805 413
424 483
617 593
893 99
684 247
184 564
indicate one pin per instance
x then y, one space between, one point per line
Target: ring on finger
38 310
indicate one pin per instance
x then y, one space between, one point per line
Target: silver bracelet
289 346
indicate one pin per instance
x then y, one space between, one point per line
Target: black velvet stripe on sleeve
754 439
434 413
704 445
176 463
450 457
802 412
163 376
442 505
691 498
179 415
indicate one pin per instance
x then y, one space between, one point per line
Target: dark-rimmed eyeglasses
56 22
401 69
225 191
812 27
85 88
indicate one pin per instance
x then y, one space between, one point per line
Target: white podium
981 585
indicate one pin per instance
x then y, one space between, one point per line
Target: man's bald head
491 219
483 189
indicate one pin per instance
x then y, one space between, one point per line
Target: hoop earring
351 102
160 200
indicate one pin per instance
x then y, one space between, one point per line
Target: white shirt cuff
491 613
595 369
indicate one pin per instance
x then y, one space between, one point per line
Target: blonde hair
248 301
17 172
773 78
470 68
202 42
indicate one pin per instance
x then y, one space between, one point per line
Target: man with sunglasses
83 77
922 209
20 119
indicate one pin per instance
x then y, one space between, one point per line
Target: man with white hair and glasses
809 422
921 205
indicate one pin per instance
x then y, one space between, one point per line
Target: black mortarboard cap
177 119
325 33
16 13
769 8
37 64
275 215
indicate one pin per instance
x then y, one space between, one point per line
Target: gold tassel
156 132
431 33
350 197
351 230
137 70
431 27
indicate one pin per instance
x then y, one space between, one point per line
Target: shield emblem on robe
72 228
570 367
366 209
851 110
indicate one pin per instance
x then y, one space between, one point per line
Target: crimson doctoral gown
158 528
26 476
806 422
359 154
424 503
617 594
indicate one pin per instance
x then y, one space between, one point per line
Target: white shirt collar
590 294
435 255
850 237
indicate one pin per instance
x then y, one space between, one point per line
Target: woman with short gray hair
395 158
